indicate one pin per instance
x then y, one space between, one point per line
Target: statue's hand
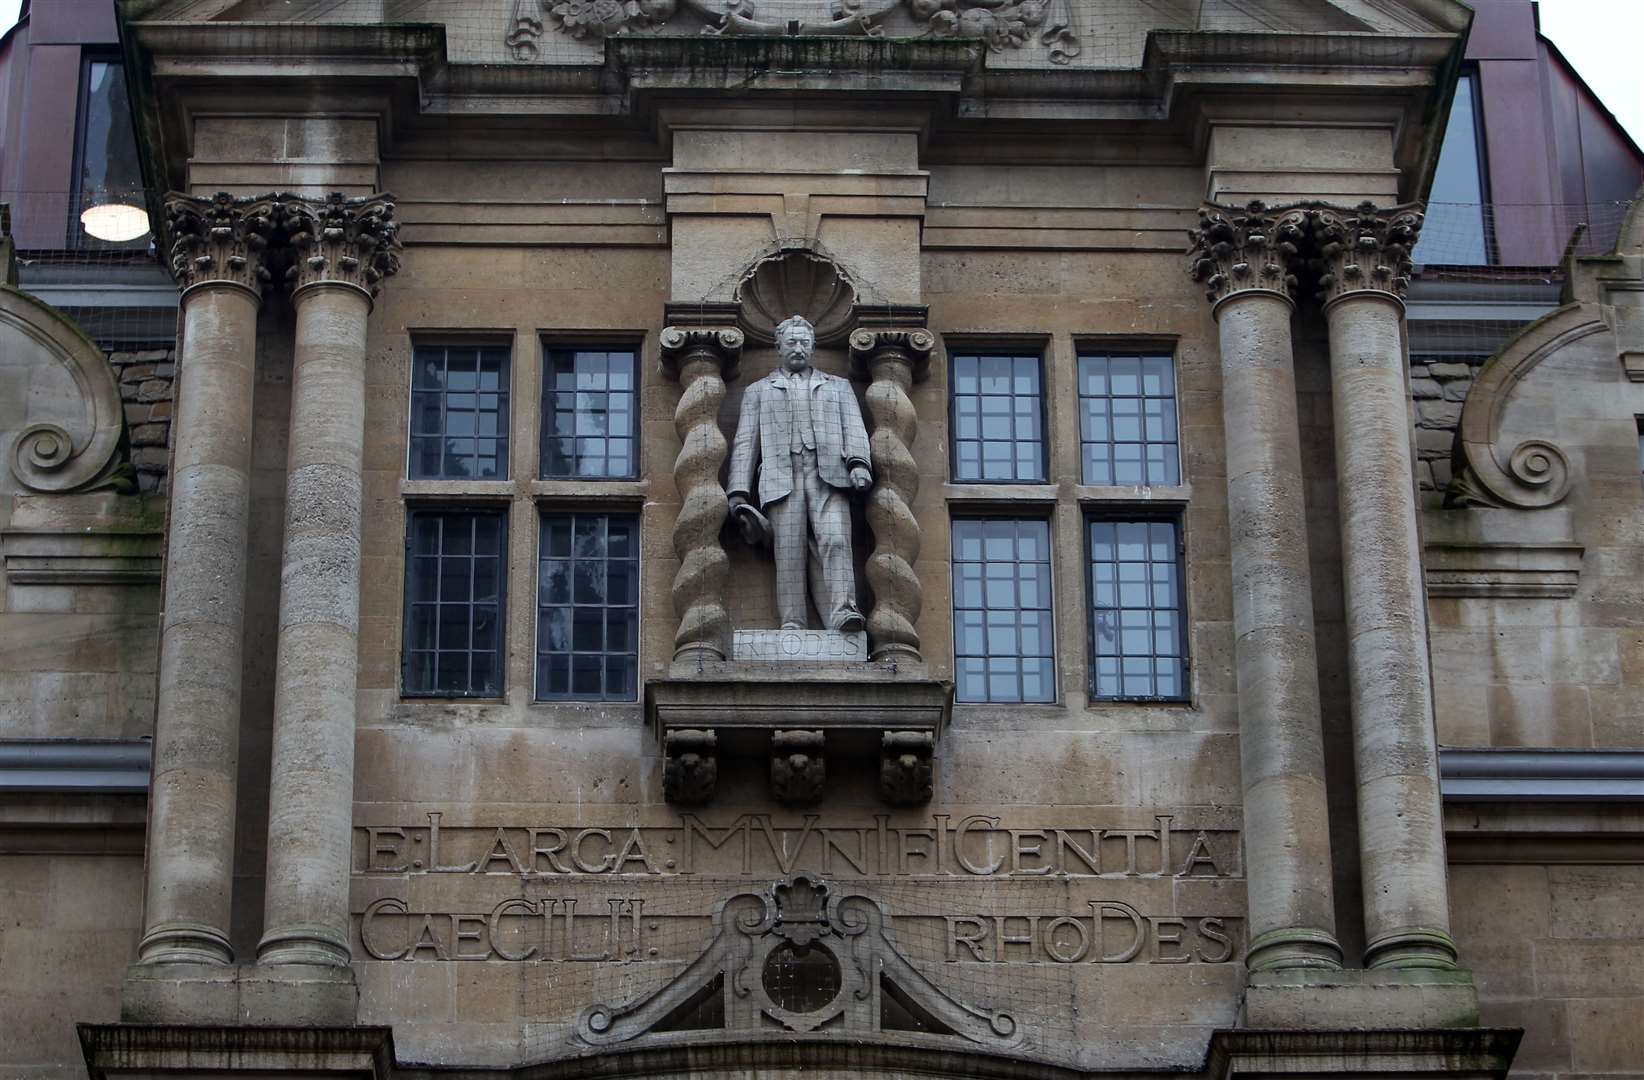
736 501
861 479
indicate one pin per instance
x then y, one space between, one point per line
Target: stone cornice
340 240
219 238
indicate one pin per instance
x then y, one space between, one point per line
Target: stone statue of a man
802 430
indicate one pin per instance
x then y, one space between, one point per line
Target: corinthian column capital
1255 248
1364 249
219 238
341 240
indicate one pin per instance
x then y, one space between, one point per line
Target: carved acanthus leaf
341 239
1253 248
219 237
1364 249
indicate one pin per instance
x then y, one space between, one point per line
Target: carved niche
999 24
802 956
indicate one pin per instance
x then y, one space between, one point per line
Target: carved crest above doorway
801 956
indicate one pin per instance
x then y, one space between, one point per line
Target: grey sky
1600 37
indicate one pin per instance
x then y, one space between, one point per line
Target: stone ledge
152 1050
1463 1052
265 995
1357 1000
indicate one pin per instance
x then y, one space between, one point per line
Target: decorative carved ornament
1532 473
795 282
1301 248
798 767
1000 24
801 956
341 240
75 446
220 237
690 766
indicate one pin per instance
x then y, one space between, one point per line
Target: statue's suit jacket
763 435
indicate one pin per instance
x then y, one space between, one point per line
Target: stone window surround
1184 636
503 438
1069 501
995 351
500 649
524 496
548 343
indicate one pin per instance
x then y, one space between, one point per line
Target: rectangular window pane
1127 421
453 594
1138 632
459 413
998 419
588 607
589 402
1003 645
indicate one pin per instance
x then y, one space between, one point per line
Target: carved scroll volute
1235 251
220 238
1364 250
341 240
702 359
893 360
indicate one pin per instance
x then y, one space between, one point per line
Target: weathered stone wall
1559 951
146 377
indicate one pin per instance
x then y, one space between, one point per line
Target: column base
1412 948
261 995
185 943
1350 1000
1292 948
315 945
191 1052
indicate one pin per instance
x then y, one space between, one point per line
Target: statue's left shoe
851 623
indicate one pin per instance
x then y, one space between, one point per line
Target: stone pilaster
217 246
1365 265
1247 262
702 359
893 360
344 249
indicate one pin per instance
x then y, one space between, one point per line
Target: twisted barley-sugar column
344 248
217 257
893 361
1401 828
1281 745
703 359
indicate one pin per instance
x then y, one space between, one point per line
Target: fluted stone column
217 257
1366 265
344 248
703 360
893 360
1243 260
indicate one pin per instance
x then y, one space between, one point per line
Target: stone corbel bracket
1533 473
790 720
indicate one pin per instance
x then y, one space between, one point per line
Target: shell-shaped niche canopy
795 283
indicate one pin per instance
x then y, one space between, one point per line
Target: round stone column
703 359
1281 745
893 360
344 248
1401 829
217 257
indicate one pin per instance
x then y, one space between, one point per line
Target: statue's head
796 342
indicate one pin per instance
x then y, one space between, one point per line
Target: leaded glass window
998 419
459 413
588 607
453 603
1128 434
1138 630
1004 646
589 414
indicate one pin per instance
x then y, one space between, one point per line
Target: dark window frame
1037 354
573 512
552 345
1014 516
444 509
77 236
504 437
1127 515
1090 352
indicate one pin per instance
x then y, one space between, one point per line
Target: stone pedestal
217 256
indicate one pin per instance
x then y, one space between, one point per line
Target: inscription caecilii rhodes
974 889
